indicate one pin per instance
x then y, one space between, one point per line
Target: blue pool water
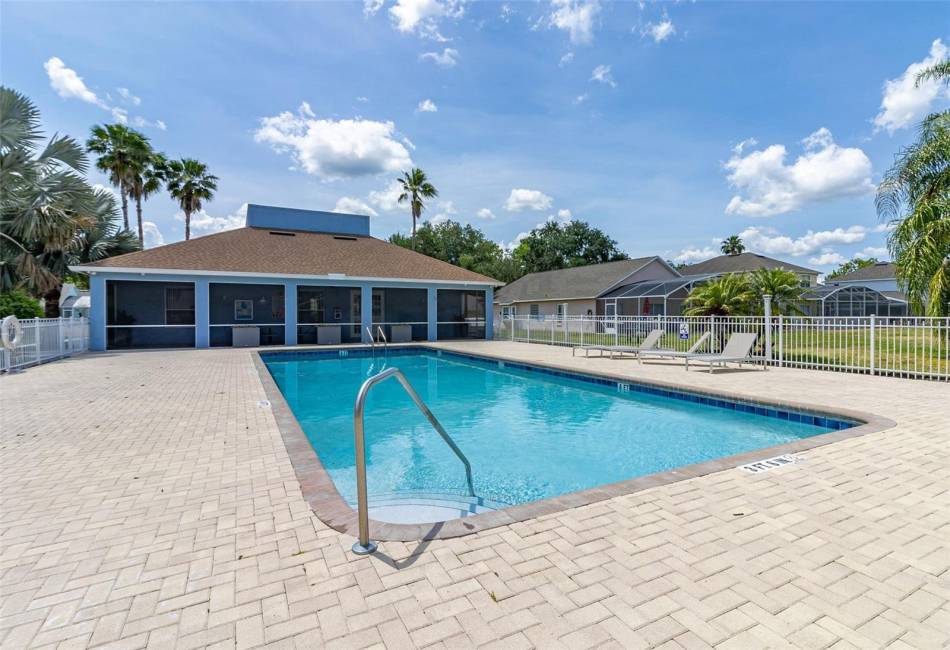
528 434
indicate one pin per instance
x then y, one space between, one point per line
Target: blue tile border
821 420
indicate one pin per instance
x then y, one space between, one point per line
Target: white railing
46 339
900 347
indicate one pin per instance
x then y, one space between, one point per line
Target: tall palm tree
728 295
784 287
146 176
914 196
44 197
732 245
415 188
189 182
119 148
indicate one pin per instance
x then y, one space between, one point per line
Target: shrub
20 304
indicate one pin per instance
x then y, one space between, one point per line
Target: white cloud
567 58
153 236
660 31
506 12
576 17
485 214
333 149
767 185
769 242
580 99
422 16
127 95
448 207
447 59
903 103
427 106
827 258
880 252
68 84
695 254
564 214
386 199
602 74
350 205
371 7
203 223
522 199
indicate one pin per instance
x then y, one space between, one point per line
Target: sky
668 125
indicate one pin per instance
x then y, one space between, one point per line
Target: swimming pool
530 433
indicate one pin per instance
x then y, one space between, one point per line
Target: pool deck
147 500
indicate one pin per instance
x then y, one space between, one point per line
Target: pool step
425 506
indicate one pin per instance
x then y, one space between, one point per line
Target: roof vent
282 234
344 238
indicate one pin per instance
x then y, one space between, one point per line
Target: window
509 312
535 311
179 305
561 311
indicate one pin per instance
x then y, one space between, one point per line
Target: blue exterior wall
97 312
268 216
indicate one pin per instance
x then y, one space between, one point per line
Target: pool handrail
364 545
382 334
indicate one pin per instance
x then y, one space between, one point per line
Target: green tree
119 150
727 295
461 245
914 196
189 182
20 304
851 266
784 287
553 246
44 200
146 177
415 189
732 245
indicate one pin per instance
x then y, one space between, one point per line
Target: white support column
767 299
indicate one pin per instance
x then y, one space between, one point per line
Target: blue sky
670 126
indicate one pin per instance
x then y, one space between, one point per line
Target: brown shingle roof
741 263
877 271
258 250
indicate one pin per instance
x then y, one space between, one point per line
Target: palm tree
44 199
415 188
189 182
732 245
728 295
146 177
102 238
784 287
914 196
119 149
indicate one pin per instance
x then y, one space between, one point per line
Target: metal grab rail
382 334
365 545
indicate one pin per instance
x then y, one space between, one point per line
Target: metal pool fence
45 339
909 347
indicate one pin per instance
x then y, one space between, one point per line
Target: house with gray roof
576 291
881 276
870 290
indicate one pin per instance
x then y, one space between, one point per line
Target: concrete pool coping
328 505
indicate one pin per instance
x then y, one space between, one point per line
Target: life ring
10 332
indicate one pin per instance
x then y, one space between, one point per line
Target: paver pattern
147 500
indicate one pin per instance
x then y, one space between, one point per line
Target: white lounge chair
648 343
738 349
663 353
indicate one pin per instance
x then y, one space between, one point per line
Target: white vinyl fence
46 339
900 347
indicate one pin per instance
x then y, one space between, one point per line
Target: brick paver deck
148 501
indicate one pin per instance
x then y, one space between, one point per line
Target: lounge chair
664 353
648 343
738 349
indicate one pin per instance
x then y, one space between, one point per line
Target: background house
575 291
289 276
871 290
